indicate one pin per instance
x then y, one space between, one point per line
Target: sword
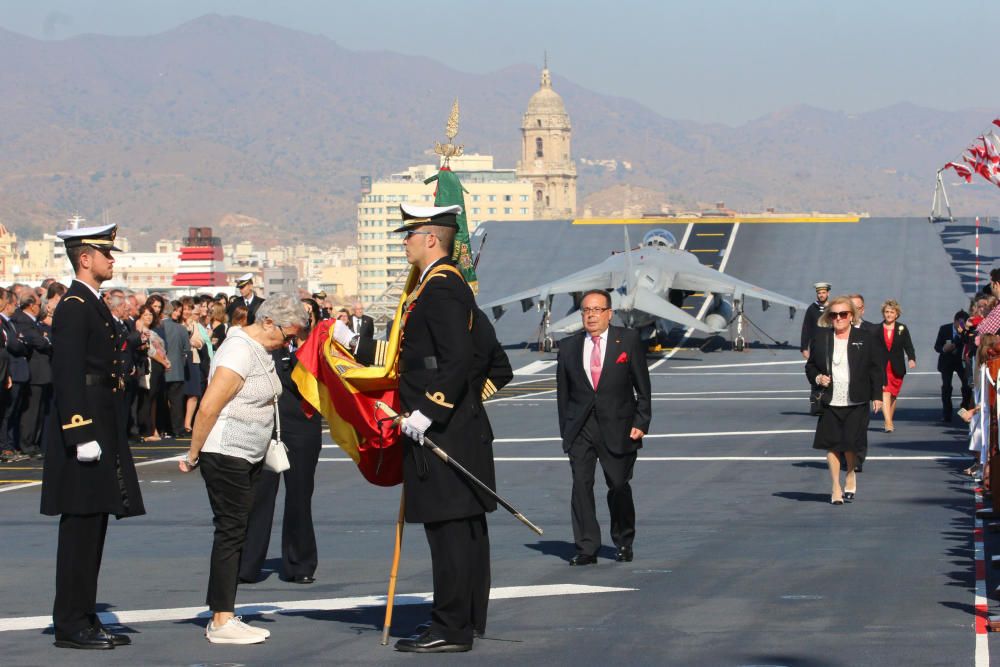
443 455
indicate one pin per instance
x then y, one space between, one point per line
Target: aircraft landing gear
547 344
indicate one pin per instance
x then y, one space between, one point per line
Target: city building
492 194
546 159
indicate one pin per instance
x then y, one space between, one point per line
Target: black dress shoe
88 638
582 559
429 642
117 640
302 579
624 555
426 625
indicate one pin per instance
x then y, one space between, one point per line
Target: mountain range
228 118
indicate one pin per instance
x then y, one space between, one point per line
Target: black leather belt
95 380
419 364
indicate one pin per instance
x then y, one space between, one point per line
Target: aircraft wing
698 278
648 302
599 276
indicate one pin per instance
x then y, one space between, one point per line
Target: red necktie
595 361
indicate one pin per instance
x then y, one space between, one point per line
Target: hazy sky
707 60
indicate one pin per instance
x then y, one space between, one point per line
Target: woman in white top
231 433
842 361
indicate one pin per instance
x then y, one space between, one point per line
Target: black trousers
176 405
299 555
78 563
946 406
229 481
34 398
460 561
11 423
584 453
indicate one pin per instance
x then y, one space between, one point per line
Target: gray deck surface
740 559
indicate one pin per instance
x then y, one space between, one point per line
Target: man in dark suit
18 351
34 393
361 324
89 472
949 348
5 382
603 396
247 298
440 389
810 321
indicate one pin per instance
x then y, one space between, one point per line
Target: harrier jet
648 285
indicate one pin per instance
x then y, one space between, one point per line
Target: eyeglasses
288 338
411 234
839 314
593 311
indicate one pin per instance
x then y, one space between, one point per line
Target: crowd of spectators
168 349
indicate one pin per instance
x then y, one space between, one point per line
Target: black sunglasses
839 314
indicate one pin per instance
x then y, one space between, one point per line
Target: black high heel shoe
848 495
836 501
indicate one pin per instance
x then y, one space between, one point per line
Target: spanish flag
344 391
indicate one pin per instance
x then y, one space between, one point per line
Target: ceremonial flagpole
390 597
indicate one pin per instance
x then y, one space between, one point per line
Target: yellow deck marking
706 250
18 481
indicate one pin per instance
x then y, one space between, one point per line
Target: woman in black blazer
896 339
843 361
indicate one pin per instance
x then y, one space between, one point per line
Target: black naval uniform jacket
622 400
810 323
87 387
238 300
442 370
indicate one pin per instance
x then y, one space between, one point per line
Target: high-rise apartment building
493 194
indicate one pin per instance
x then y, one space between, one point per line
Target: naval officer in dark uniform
810 322
247 298
440 389
89 472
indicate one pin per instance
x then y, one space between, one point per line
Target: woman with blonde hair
896 338
843 362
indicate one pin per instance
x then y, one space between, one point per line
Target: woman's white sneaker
233 631
260 631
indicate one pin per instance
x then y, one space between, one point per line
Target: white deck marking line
674 373
535 367
800 362
717 398
656 436
524 396
703 459
296 606
137 465
533 380
981 602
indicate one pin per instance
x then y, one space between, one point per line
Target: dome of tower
545 100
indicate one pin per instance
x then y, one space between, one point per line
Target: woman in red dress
897 342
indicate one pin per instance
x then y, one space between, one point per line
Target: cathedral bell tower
546 160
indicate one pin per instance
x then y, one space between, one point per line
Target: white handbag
276 456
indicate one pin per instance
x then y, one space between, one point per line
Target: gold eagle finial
450 150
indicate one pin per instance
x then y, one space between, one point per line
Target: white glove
415 425
343 334
88 451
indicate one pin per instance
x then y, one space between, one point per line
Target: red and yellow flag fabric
345 392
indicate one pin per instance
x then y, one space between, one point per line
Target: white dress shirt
588 346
